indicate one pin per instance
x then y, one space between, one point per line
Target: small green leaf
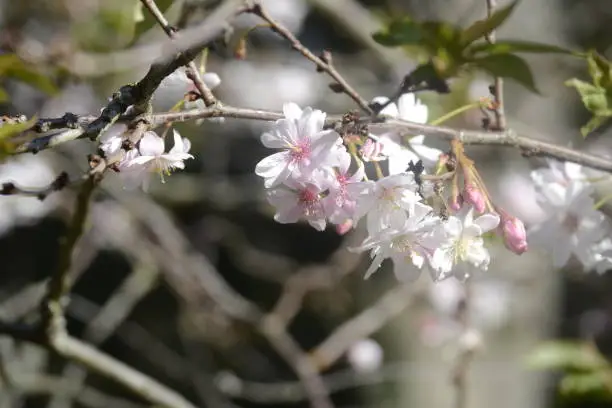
594 98
510 46
583 385
483 27
400 32
592 124
600 70
565 355
11 66
11 129
508 66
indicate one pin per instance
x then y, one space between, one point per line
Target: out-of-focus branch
10 188
459 371
323 63
52 309
196 277
192 41
139 94
364 324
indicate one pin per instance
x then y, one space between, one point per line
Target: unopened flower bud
371 151
474 196
345 227
455 203
513 231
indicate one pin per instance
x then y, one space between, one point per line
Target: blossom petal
487 222
292 111
272 166
151 144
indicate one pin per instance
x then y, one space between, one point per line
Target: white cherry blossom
388 202
410 247
344 189
400 154
305 146
298 200
149 158
463 249
572 225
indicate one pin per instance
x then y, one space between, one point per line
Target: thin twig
528 146
364 324
60 182
323 63
54 302
459 372
192 70
498 87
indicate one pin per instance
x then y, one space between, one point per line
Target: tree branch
323 63
192 70
364 324
498 88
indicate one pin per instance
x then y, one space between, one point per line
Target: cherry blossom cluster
136 158
573 225
319 177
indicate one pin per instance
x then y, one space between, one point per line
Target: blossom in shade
138 164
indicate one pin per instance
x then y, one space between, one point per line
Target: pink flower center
309 201
301 151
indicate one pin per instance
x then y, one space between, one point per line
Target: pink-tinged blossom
399 151
388 202
343 191
513 232
137 166
410 247
305 146
346 226
297 200
462 248
372 151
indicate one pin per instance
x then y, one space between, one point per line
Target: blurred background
160 279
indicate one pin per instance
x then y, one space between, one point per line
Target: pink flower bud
513 231
473 195
345 227
455 203
371 151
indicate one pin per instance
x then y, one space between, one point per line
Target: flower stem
454 113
